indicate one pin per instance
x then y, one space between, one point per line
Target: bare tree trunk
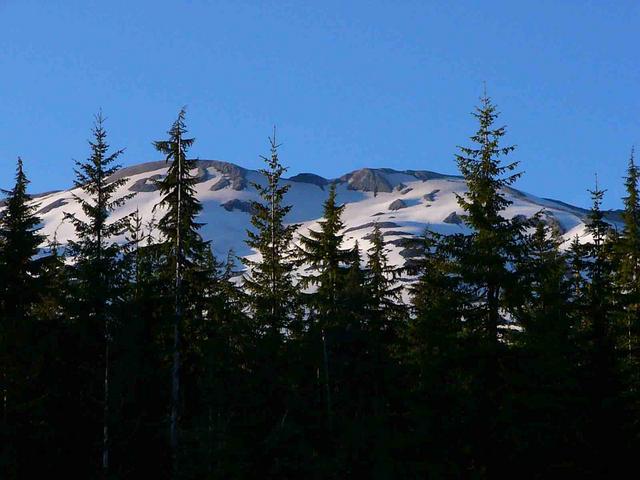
175 388
105 426
326 381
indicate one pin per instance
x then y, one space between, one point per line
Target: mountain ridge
403 202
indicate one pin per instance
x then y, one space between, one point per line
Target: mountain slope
403 203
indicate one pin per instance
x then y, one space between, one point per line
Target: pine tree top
322 249
596 225
178 195
631 212
269 280
18 223
93 178
482 168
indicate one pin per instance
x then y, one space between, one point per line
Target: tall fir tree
321 250
273 304
19 240
322 253
19 293
383 321
383 290
269 281
96 255
599 365
185 254
491 243
628 278
484 258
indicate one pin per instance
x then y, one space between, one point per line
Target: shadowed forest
517 352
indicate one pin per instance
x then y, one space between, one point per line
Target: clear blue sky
349 83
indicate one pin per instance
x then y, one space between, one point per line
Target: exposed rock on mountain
367 180
145 184
397 205
311 178
239 205
453 218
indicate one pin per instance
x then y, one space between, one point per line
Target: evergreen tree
19 239
378 371
53 283
139 393
492 241
321 251
273 305
599 377
599 273
269 282
185 253
355 292
546 389
19 293
628 277
95 254
437 299
576 261
484 259
544 313
383 290
433 357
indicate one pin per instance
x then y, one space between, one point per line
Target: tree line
151 358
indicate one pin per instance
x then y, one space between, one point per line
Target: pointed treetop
176 145
179 127
597 194
274 145
21 179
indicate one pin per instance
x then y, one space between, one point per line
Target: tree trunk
105 425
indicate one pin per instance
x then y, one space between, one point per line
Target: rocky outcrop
237 176
240 205
371 224
389 233
53 205
367 180
311 178
453 218
203 174
397 205
220 184
145 184
431 196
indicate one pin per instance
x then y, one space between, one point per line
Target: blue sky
348 83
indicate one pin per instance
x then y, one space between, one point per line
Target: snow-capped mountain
402 203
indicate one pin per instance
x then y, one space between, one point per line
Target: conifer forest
509 352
